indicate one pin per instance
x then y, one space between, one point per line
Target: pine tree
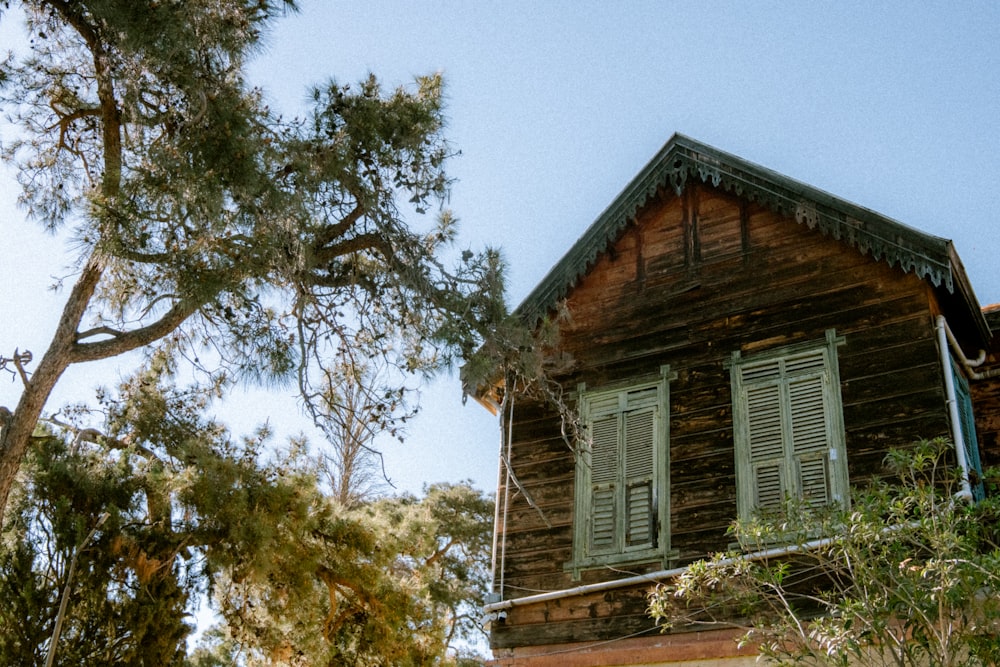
296 576
215 230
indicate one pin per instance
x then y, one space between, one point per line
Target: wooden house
736 337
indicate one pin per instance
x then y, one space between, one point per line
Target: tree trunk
16 435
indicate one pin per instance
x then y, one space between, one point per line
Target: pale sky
557 105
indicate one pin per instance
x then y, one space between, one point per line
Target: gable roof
683 160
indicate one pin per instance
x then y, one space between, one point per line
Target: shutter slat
603 478
764 427
814 480
769 490
761 372
603 519
640 448
639 519
807 363
810 439
642 398
604 450
809 423
640 444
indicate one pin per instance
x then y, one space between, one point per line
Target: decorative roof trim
683 160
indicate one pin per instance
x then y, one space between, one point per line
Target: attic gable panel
612 273
683 161
641 297
662 235
719 229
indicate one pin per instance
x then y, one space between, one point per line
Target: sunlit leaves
209 228
907 576
296 576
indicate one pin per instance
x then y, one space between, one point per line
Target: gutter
498 608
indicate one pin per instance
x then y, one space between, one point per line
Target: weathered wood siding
694 279
986 397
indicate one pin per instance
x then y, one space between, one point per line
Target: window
622 475
789 428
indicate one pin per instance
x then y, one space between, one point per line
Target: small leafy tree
908 576
395 582
296 576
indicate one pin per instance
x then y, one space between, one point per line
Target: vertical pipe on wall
952 403
508 436
498 559
496 502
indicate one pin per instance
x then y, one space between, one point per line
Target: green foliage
394 582
296 577
213 234
909 575
277 233
128 595
216 231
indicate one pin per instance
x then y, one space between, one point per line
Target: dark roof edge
682 160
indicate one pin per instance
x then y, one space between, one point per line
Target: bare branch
360 242
98 438
333 232
19 360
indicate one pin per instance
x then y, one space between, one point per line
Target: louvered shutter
621 475
603 482
967 422
810 444
788 430
640 445
767 455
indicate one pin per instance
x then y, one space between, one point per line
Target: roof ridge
683 160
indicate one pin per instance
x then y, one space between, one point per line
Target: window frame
597 403
790 472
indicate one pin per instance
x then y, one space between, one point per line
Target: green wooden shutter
603 483
787 430
640 446
967 422
766 445
810 442
621 476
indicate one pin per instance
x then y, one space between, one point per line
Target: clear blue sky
557 105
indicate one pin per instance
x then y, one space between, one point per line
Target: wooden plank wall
695 278
986 397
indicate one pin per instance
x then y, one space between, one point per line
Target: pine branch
331 233
127 341
324 254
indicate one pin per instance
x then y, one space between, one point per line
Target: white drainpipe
943 334
498 609
653 577
496 507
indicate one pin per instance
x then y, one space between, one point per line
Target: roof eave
683 160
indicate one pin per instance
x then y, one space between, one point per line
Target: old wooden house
736 337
